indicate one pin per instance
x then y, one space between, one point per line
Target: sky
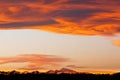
82 35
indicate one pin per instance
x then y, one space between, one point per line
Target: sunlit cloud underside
75 17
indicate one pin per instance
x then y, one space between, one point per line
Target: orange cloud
75 17
116 42
34 61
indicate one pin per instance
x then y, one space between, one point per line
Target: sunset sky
83 35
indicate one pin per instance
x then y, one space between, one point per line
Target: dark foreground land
45 76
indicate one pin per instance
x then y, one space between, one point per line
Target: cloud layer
34 61
77 17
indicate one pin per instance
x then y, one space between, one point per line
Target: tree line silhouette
36 75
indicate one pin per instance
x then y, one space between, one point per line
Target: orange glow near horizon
82 71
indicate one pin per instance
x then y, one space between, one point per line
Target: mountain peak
66 70
62 70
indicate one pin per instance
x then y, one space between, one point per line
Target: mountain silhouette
63 70
62 74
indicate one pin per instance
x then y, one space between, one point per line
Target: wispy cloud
78 17
34 61
75 66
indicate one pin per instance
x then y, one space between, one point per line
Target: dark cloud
77 15
92 2
49 1
22 25
74 66
18 1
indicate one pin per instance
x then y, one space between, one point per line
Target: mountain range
63 70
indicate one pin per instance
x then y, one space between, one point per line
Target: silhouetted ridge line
63 70
36 75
